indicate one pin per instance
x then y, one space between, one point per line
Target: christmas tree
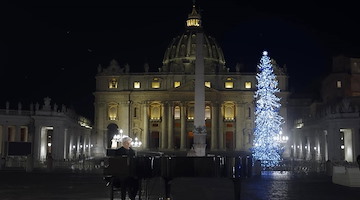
266 146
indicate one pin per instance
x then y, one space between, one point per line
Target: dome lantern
194 19
180 55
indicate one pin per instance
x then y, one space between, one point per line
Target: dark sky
53 48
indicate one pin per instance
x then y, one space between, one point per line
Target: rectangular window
338 84
229 85
23 134
11 134
177 84
208 84
155 84
136 84
248 85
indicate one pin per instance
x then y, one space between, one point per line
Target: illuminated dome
180 54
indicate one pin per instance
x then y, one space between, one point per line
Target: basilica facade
157 108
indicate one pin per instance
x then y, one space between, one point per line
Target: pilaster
171 126
221 129
183 126
164 112
146 126
214 126
239 133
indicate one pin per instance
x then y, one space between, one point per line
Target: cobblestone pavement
19 185
287 186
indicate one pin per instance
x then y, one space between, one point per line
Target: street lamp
281 138
136 142
116 139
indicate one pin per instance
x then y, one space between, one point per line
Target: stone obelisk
199 118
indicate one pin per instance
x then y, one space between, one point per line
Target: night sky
53 48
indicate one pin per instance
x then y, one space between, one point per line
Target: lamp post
136 142
116 139
282 138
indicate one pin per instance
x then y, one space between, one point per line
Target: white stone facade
328 129
47 129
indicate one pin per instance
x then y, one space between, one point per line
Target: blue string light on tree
266 146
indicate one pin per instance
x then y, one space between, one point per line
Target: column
214 126
356 145
77 145
57 143
3 139
99 142
239 133
36 143
145 139
72 138
221 129
183 127
130 116
87 144
17 133
67 144
164 111
126 121
334 144
171 126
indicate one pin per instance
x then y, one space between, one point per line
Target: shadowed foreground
19 185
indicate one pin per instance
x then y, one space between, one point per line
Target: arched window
191 112
207 112
112 111
177 112
229 111
113 83
155 112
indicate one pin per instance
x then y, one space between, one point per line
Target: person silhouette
129 184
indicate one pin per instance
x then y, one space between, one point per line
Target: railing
14 112
300 166
97 165
23 163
